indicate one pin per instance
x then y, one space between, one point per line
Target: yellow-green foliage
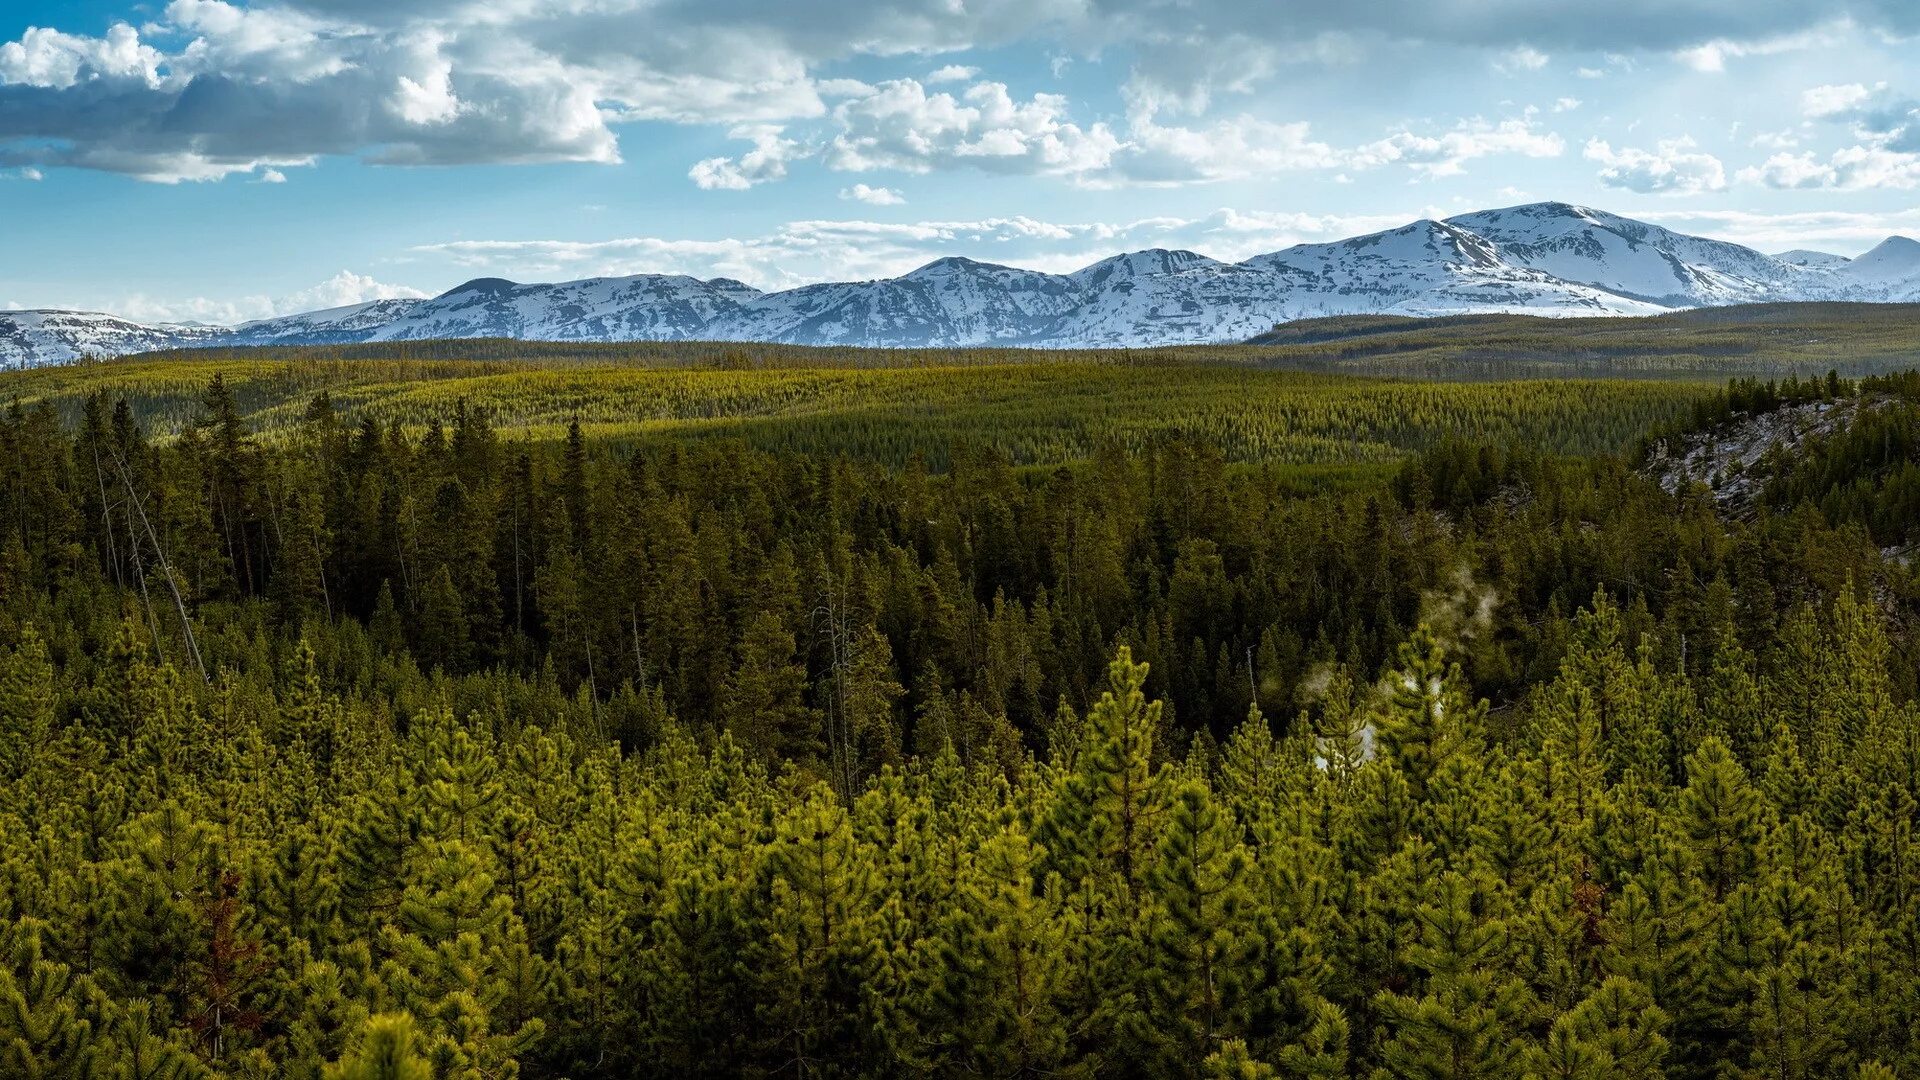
1035 413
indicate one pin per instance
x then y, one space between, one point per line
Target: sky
218 161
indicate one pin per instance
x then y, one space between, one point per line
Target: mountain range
1550 259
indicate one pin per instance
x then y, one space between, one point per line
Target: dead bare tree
166 569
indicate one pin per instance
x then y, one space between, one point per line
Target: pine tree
1722 816
137 1051
26 702
45 1030
764 699
387 1051
1428 717
1471 1018
442 636
815 946
1615 1033
1233 1062
1104 813
1201 970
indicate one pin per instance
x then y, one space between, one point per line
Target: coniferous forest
363 745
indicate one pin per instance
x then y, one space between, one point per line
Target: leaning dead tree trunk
166 568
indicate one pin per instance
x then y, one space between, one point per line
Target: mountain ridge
1548 258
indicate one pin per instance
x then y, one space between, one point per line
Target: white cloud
873 196
271 176
342 289
48 59
1672 167
1876 115
1233 148
901 126
1522 58
1826 101
803 252
766 161
211 88
1885 157
1855 168
1712 56
1840 231
424 96
1566 104
28 173
1446 154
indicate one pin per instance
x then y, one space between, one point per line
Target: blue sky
213 160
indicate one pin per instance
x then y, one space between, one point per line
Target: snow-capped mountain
1626 257
333 326
29 338
947 302
1549 259
645 307
1894 262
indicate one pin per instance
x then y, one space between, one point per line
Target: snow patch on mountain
1812 260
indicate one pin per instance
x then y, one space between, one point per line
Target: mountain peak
485 285
951 264
1135 264
1896 258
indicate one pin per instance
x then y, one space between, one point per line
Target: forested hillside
1038 414
387 743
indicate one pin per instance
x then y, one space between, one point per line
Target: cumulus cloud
1886 156
342 289
1447 153
210 88
46 59
1232 148
903 127
1854 168
271 88
952 73
1876 114
766 161
1672 167
1827 101
873 196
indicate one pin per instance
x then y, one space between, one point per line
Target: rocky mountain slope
1543 259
